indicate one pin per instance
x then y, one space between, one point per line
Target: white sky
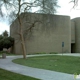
3 26
65 9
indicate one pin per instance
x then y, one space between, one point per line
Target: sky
66 8
4 25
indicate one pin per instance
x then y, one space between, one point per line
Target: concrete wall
72 32
77 34
47 35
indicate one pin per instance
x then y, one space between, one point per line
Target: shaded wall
47 35
77 34
72 37
72 32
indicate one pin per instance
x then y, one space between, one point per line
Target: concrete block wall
47 35
77 34
72 32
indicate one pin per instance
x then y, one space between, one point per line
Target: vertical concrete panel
72 32
77 34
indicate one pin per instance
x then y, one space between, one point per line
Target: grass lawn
66 64
6 75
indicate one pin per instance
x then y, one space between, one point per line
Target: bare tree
47 6
14 8
75 3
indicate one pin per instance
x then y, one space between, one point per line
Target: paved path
34 72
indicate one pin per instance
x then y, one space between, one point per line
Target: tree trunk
23 45
22 39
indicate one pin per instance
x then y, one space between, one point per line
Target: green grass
6 75
66 64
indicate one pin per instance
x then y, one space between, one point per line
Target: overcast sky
65 9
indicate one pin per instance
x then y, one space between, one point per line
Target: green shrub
53 53
1 52
40 53
6 42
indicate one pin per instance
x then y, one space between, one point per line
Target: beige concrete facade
76 45
47 35
72 32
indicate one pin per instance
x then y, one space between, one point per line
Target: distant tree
6 42
5 33
1 44
1 37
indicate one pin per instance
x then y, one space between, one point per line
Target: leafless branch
75 3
